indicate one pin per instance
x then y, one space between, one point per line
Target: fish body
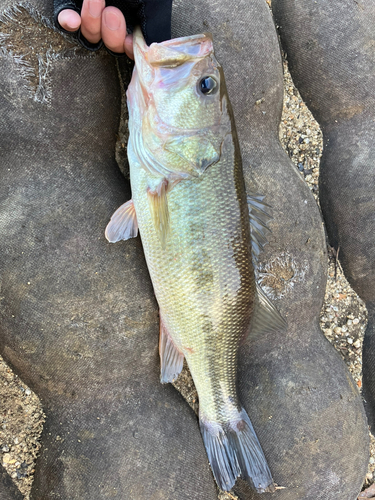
190 205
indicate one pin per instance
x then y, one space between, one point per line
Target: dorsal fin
259 219
266 318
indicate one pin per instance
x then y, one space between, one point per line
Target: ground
343 319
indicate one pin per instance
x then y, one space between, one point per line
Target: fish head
179 93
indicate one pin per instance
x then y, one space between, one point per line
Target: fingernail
112 21
95 8
72 26
69 20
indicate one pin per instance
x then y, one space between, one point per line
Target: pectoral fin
266 318
123 224
158 203
171 358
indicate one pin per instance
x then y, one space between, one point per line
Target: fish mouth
172 53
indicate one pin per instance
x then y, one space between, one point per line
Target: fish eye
208 85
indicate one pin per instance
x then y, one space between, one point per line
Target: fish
201 235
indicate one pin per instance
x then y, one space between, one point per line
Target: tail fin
233 450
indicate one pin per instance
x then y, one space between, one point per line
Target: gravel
21 423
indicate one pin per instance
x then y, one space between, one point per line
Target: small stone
5 448
372 460
27 392
357 344
344 329
21 474
16 441
7 459
337 330
349 340
349 322
355 321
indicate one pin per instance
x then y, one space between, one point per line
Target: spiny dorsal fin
158 202
171 359
266 318
123 224
259 219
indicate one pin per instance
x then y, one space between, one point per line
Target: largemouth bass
190 205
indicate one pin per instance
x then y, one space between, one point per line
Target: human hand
99 22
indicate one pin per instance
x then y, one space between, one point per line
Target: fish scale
190 206
203 278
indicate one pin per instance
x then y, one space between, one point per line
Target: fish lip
205 40
193 47
174 41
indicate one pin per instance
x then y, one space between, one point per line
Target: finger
91 19
129 46
69 20
114 29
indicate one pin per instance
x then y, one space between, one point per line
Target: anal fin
123 224
171 359
158 202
